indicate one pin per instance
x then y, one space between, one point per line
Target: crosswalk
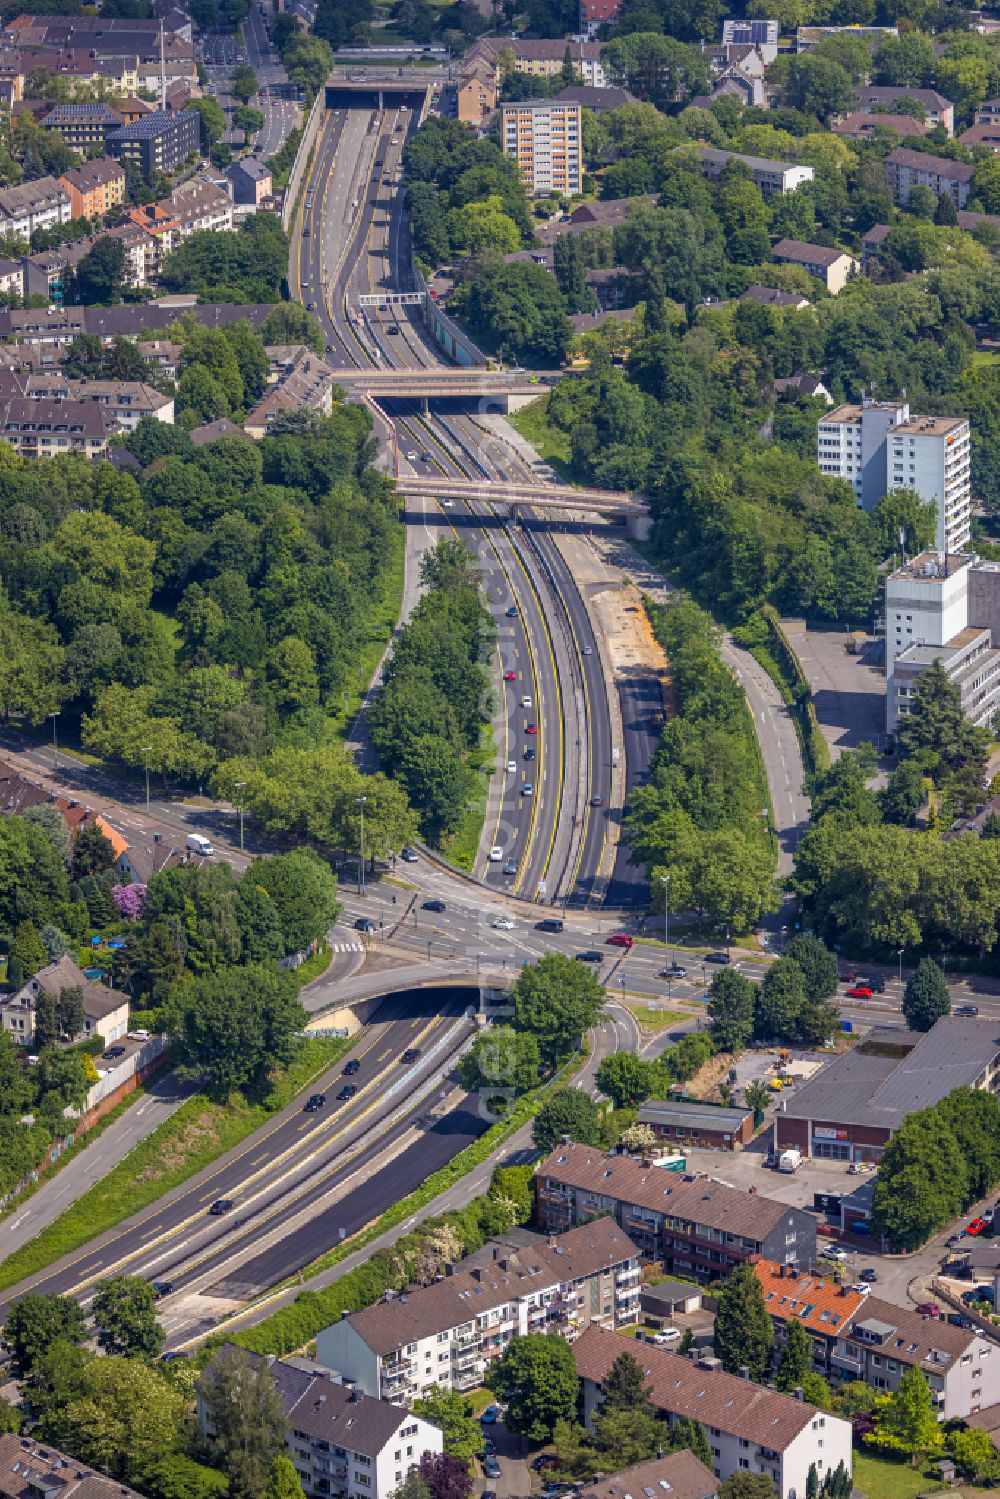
347 947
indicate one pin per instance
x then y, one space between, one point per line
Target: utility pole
360 802
665 881
238 786
55 747
145 760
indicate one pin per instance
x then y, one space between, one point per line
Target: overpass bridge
508 492
370 90
507 388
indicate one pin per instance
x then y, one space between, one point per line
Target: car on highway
412 1054
219 1206
859 991
673 971
619 939
314 1103
364 924
346 1092
409 856
510 867
510 676
496 854
977 1226
435 905
529 752
426 456
491 1466
549 924
312 306
352 1068
511 611
969 1012
531 728
597 801
592 955
719 957
512 767
527 789
503 924
588 650
172 1356
393 329
447 504
161 1288
526 701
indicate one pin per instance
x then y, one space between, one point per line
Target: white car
512 767
413 455
862 1289
840 1255
668 1335
448 504
526 701
496 854
503 924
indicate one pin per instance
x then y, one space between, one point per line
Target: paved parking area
849 691
515 1475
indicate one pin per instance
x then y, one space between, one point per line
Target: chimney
553 1240
476 1273
744 1371
797 1393
449 1267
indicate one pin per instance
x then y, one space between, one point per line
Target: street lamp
145 761
899 955
55 747
238 786
665 882
360 803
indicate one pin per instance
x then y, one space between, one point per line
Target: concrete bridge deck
545 496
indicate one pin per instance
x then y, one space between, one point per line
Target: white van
199 845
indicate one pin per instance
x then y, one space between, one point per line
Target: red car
532 728
510 676
929 1309
848 976
976 1226
859 991
619 939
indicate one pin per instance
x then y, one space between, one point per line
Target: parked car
969 1012
869 1276
957 1320
314 1103
409 856
771 1160
491 1466
928 1309
490 1415
876 985
544 1460
976 1226
833 1253
113 1052
666 1337
862 1288
859 991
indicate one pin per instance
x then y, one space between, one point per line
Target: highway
280 115
286 1174
554 834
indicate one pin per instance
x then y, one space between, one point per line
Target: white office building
878 446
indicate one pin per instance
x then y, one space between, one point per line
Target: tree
446 1476
461 1433
923 1182
536 1377
124 1310
303 892
501 1057
907 1421
35 1322
212 122
247 1415
70 1011
926 997
124 1417
688 1433
180 1477
747 1486
100 274
557 1000
244 83
796 1358
412 1487
568 1111
657 69
29 948
283 1481
743 1331
33 666
937 733
626 1079
756 1096
625 1387
93 852
975 1455
903 796
731 1010
231 1028
782 997
820 975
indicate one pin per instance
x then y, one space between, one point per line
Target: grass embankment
192 1138
653 1018
383 618
549 442
463 845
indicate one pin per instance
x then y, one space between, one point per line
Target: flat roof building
698 1124
772 177
545 138
158 142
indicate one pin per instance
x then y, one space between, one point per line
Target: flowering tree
130 900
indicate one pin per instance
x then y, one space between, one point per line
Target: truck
790 1160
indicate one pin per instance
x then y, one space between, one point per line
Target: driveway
515 1477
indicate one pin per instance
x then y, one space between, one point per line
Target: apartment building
544 137
476 95
251 181
878 446
906 169
83 125
873 99
125 402
861 126
86 67
739 31
679 1474
301 379
94 188
41 429
198 204
37 1470
159 142
447 1333
544 59
772 177
833 267
857 1336
808 37
750 1429
597 13
343 1444
34 205
693 1226
162 233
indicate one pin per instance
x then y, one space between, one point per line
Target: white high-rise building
878 446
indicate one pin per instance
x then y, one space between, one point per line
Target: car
869 1276
673 971
172 1356
426 456
503 924
496 854
876 985
976 1226
544 1460
510 867
112 1052
365 924
435 905
929 1309
771 1160
409 856
352 1068
314 1103
511 611
489 1447
491 1466
394 140
847 976
859 991
588 650
549 924
527 789
833 1253
510 676
592 955
512 767
957 1320
447 504
412 455
619 939
597 801
346 1092
526 701
412 1054
718 957
393 329
312 306
529 753
490 1415
862 1288
968 1011
531 728
161 1288
219 1206
666 1337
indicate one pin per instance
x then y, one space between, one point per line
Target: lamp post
145 763
665 882
55 747
238 786
899 955
360 802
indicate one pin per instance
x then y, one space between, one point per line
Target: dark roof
667 1293
922 161
699 1115
213 431
595 98
29 1469
93 173
928 97
71 114
679 1475
250 166
770 296
798 250
151 125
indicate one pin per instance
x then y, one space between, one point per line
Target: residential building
34 205
878 446
37 1470
762 34
94 188
597 13
41 429
251 181
906 169
807 37
693 1226
105 1011
987 113
447 1333
859 1336
12 277
544 59
986 134
771 296
850 1110
750 1429
45 328
735 82
161 352
159 142
802 384
344 1444
83 125
597 100
125 402
11 78
937 109
678 1474
544 136
302 379
476 95
697 1124
861 127
162 232
197 204
833 267
772 177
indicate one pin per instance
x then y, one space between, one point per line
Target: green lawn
881 1479
656 1020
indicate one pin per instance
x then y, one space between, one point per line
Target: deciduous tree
536 1377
